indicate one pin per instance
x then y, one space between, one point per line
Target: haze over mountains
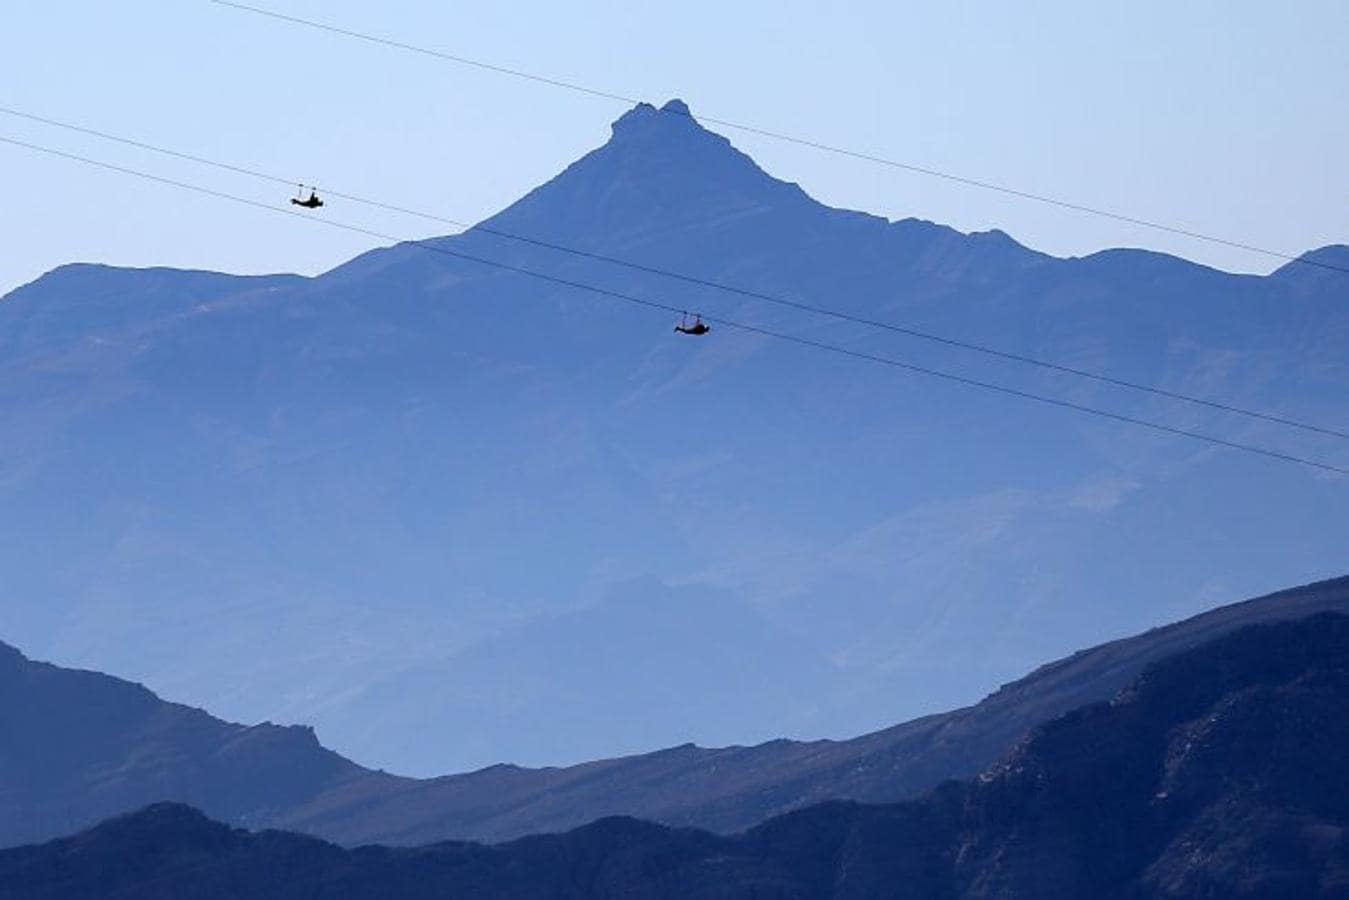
1217 773
77 747
439 506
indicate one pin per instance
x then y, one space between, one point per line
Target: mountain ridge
280 776
353 497
1214 773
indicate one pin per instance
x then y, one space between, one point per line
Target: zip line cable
703 282
727 323
787 138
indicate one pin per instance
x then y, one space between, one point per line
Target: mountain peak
659 165
672 118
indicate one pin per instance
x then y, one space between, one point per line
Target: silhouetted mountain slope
389 500
78 747
1219 772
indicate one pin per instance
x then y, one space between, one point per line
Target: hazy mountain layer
452 515
1218 773
77 747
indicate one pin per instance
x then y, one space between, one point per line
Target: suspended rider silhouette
310 202
697 328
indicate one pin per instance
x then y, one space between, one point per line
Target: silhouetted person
698 327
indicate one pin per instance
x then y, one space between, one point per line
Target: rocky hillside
1219 772
79 747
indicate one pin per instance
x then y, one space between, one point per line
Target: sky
1219 117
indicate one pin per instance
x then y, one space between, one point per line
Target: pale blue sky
1222 117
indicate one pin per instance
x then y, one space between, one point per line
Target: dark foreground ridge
82 747
1219 772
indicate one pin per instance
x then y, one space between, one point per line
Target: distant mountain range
453 516
78 747
1218 772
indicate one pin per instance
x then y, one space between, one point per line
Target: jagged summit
674 114
661 171
659 166
672 135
